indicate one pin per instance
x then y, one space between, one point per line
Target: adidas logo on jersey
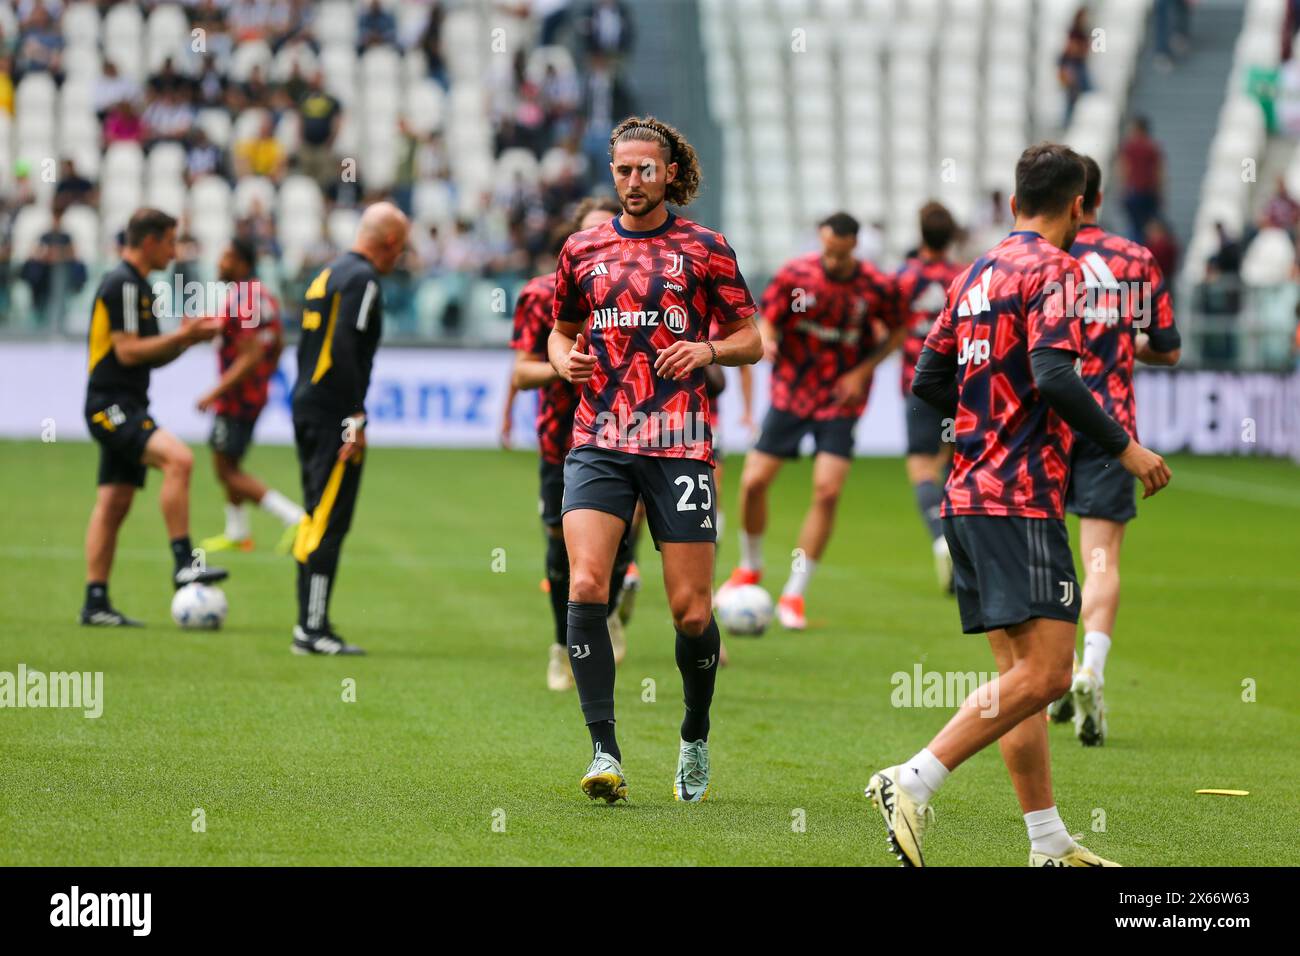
600 269
977 299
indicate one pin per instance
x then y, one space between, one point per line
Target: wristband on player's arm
1061 387
935 381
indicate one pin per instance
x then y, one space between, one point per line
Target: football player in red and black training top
634 298
249 351
923 285
1001 361
824 315
124 344
557 402
1129 315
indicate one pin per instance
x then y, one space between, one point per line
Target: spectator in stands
1142 174
319 114
1072 67
6 84
1172 25
1269 259
430 45
1226 260
113 88
262 154
552 15
375 27
72 187
204 158
210 86
123 124
1282 211
606 101
40 45
168 117
1163 245
605 27
54 272
258 228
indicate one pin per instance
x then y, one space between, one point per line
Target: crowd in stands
562 117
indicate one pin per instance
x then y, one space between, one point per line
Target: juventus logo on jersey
600 269
676 262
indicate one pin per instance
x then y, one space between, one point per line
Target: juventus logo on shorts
1067 592
676 261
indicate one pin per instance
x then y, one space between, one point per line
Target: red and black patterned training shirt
923 287
827 327
1126 294
633 294
249 311
557 400
1012 452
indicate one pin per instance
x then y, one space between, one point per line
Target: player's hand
851 387
682 358
207 401
1145 465
769 349
353 449
200 330
579 366
507 426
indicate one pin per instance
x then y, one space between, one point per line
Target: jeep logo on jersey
675 318
612 318
973 351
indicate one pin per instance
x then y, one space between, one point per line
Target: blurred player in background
557 402
342 322
1001 361
820 325
124 344
1129 315
641 292
923 282
248 354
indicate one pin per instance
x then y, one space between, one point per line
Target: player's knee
691 614
115 507
180 462
588 586
1054 683
826 494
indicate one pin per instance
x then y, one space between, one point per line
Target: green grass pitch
454 752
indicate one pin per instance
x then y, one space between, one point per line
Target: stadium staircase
1183 105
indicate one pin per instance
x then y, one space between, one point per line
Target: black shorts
231 436
1008 570
924 427
1099 485
550 502
782 432
122 428
680 504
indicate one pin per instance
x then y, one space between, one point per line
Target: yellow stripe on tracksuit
312 528
325 360
101 334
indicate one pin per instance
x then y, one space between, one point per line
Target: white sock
1047 834
751 551
238 523
797 583
923 775
1095 646
280 506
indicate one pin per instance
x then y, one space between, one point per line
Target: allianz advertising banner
454 398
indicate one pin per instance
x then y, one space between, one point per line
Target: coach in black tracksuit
342 322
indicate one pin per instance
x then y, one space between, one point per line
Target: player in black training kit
124 344
342 322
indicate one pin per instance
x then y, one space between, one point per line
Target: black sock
928 501
602 739
314 588
697 659
181 551
557 574
592 657
97 595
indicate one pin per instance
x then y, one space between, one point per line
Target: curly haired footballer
685 185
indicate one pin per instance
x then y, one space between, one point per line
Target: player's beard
652 205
